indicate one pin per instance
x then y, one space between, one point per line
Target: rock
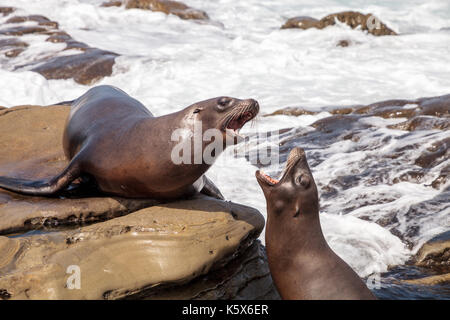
291 111
423 113
344 110
111 4
12 42
442 178
142 253
431 280
301 22
61 36
72 44
21 30
12 47
343 43
435 254
168 7
85 68
367 22
423 123
6 10
411 176
434 155
41 20
13 52
337 123
31 148
245 277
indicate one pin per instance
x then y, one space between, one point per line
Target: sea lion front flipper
210 189
43 187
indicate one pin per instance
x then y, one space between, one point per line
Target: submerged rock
366 22
21 30
168 7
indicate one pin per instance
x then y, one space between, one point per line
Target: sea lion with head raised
114 139
302 264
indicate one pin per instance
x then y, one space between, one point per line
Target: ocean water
168 63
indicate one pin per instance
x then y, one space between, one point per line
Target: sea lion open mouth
294 156
266 178
237 118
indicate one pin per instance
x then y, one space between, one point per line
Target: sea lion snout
295 192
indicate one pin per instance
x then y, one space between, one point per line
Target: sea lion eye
223 102
197 110
303 180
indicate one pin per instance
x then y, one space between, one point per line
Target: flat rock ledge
146 254
200 248
366 22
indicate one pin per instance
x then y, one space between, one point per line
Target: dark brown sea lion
114 140
302 264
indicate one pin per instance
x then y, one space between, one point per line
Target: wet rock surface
86 66
168 7
434 259
169 245
11 48
366 22
435 254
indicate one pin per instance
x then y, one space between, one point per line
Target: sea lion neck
283 230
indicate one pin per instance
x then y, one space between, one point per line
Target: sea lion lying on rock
302 264
113 140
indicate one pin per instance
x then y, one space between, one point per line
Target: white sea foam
168 63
